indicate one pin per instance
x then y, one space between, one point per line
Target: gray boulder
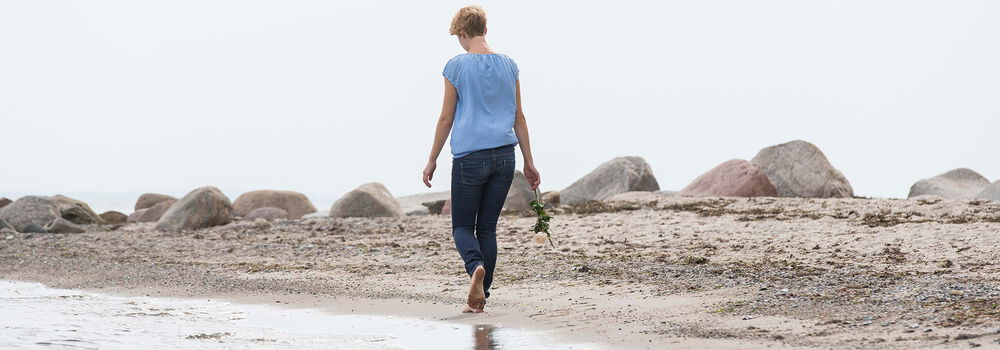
61 225
156 212
433 208
114 217
550 199
619 175
147 200
800 169
732 178
267 213
415 204
369 200
5 225
4 201
32 228
204 207
76 211
136 215
992 192
30 210
520 193
958 183
294 203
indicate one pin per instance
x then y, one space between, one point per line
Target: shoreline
652 272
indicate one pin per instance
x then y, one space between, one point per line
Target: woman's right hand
531 174
429 172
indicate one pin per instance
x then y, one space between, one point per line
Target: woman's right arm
443 128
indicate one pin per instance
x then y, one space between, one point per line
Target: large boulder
204 207
958 183
114 217
266 213
415 204
5 225
433 208
147 200
296 204
136 215
520 193
61 225
550 199
30 210
992 192
156 212
799 169
4 201
619 175
732 178
76 211
32 228
369 200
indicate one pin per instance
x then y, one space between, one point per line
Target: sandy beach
650 272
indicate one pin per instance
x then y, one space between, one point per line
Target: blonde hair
469 21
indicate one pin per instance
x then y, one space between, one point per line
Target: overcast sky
322 96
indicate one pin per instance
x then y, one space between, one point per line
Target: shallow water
35 316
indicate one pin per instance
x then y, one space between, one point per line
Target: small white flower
540 238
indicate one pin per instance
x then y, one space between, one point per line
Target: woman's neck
478 45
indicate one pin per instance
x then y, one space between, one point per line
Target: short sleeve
513 67
451 72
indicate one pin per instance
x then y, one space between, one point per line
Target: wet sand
652 272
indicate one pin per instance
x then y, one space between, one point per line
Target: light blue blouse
487 101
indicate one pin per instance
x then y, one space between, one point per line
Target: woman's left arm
521 130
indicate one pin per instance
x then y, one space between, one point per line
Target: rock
5 225
619 175
7 231
134 217
992 192
414 204
147 200
550 199
4 201
294 203
114 217
61 225
446 208
520 194
369 200
261 223
434 208
670 193
76 211
32 228
958 183
635 196
30 210
732 178
321 214
203 207
266 213
799 169
155 213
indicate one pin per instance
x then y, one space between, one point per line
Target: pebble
9 237
748 317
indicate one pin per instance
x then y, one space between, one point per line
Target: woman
482 110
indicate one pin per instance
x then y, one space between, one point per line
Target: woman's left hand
429 173
534 179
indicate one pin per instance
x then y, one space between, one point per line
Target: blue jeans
479 184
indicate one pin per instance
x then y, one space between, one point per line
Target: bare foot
477 297
468 310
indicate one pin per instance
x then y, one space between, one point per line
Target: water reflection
482 335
